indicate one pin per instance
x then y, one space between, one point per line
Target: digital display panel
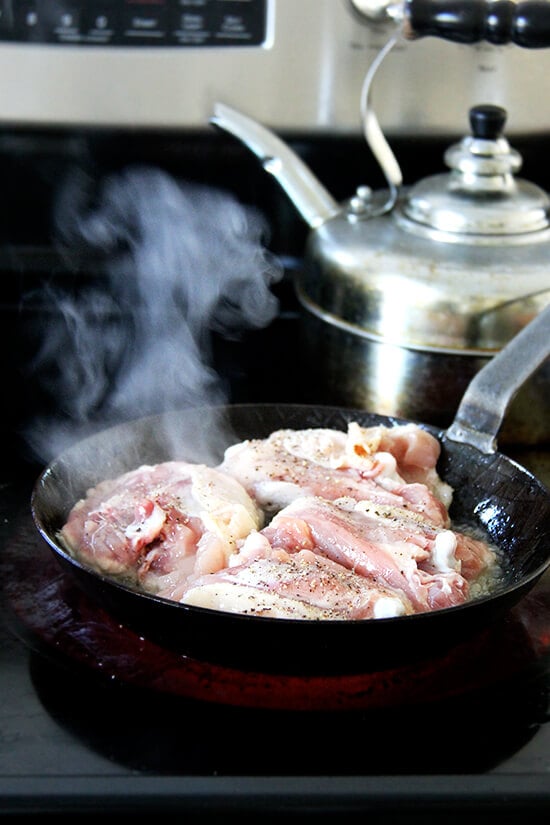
180 23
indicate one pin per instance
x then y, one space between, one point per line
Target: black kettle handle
525 23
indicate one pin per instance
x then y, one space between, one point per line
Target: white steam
181 261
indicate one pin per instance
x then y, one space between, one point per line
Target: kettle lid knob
484 161
480 200
487 121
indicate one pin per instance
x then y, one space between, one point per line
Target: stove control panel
187 23
295 65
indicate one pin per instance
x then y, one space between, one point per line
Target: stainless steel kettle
407 292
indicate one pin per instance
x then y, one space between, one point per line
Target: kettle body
399 327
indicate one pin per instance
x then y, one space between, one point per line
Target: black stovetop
96 720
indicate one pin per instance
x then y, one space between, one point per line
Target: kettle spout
308 195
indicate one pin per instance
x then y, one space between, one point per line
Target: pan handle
488 395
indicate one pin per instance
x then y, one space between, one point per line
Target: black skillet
491 491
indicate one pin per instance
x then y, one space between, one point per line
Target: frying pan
491 491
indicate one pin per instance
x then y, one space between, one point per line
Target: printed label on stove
178 23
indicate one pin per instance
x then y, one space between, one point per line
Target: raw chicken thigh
157 525
296 585
375 464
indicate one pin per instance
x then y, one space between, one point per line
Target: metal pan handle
490 392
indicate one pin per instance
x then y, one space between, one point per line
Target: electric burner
58 615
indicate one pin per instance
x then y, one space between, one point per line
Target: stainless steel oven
120 205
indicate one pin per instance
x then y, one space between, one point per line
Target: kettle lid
480 197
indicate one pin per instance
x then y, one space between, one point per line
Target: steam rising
181 261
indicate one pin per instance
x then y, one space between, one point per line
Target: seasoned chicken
375 464
308 524
300 585
392 547
156 525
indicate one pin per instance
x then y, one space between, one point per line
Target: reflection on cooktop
156 734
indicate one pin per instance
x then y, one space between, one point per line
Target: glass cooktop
94 718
